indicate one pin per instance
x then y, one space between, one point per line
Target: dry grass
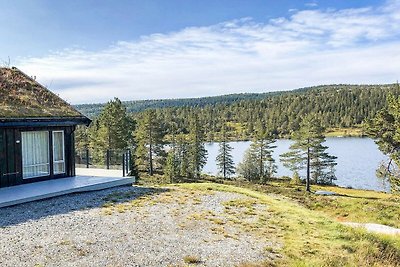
355 131
350 205
281 213
190 259
310 238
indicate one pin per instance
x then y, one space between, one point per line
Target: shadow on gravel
61 205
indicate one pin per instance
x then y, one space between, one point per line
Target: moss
23 97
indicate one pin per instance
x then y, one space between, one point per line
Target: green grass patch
345 132
350 205
312 238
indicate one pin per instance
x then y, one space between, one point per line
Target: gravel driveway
131 226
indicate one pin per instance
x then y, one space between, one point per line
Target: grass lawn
364 206
313 236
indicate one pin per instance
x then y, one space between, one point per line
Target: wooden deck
14 195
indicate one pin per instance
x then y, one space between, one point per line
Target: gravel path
128 226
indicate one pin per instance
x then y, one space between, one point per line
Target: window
35 154
58 152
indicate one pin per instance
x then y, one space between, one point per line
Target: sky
91 51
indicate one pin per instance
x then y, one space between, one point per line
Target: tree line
183 155
303 116
93 110
337 106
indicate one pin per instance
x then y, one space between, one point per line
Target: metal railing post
87 158
108 159
123 165
128 161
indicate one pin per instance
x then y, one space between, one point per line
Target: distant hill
92 110
135 106
338 106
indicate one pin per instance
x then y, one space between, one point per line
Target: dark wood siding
3 157
69 151
10 167
11 155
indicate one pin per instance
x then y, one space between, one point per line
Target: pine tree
385 129
133 168
172 162
182 153
224 158
172 165
262 149
197 152
258 165
248 168
113 129
322 165
308 151
81 137
98 142
149 134
117 124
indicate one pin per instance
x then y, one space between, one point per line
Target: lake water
357 160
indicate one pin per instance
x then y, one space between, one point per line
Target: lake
357 160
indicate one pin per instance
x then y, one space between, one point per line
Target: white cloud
308 48
311 4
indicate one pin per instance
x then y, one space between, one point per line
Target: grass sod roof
23 97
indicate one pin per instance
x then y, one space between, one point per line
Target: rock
325 193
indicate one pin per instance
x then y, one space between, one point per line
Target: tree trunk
261 162
308 171
224 153
150 153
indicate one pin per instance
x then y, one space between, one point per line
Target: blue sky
91 51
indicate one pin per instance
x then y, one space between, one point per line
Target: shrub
191 259
296 179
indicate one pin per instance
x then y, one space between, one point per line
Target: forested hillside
338 106
92 110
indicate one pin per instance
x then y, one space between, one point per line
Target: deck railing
115 159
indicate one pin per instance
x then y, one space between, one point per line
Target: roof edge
44 121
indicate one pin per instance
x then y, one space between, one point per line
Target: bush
296 179
191 259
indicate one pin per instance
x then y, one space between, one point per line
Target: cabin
36 131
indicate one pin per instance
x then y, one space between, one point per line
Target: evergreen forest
338 106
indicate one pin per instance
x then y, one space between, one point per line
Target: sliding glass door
35 154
